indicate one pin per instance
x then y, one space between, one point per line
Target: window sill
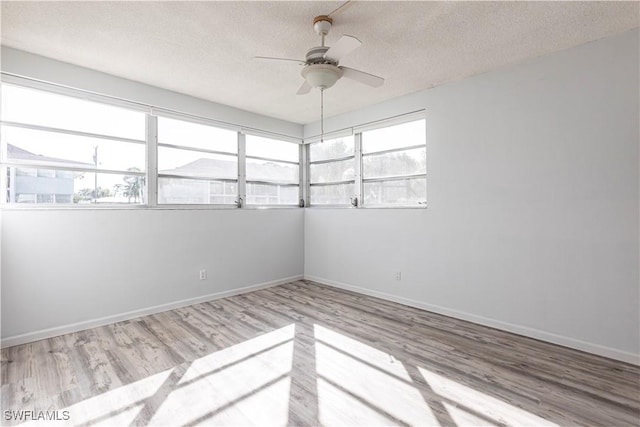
141 207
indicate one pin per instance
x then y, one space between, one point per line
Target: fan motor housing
322 24
315 55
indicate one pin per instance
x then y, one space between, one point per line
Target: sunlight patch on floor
119 406
371 355
464 418
362 385
234 384
123 418
258 348
123 402
473 404
248 383
338 408
267 406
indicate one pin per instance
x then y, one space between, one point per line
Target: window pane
339 194
30 185
404 135
267 194
397 192
396 163
272 149
196 163
331 149
194 135
36 107
69 150
195 191
332 172
265 170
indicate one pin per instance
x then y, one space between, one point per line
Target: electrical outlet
203 274
398 275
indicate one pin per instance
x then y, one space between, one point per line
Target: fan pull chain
321 115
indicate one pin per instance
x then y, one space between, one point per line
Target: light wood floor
306 354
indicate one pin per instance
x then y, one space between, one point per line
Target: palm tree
133 186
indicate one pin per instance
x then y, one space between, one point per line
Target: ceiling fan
321 64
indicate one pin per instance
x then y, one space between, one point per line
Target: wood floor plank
476 369
306 354
611 377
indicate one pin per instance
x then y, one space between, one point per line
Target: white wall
533 206
62 267
64 270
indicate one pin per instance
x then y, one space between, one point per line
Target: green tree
133 185
89 194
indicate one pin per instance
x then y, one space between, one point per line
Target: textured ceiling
205 49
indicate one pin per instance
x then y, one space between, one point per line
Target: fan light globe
322 76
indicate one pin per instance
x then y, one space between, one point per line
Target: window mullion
4 172
4 185
152 160
242 169
304 175
358 168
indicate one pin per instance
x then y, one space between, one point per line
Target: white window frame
151 152
6 163
358 156
198 121
394 121
151 144
299 163
356 193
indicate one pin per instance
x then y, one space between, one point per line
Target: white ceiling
205 49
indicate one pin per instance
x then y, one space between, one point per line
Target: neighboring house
178 190
39 184
187 191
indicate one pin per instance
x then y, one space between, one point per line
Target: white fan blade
362 77
345 45
304 89
279 59
337 11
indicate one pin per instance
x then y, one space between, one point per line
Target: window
197 164
59 149
60 146
377 166
272 171
332 172
394 165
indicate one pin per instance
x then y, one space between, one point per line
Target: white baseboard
505 326
107 320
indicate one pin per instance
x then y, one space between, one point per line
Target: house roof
18 153
210 168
